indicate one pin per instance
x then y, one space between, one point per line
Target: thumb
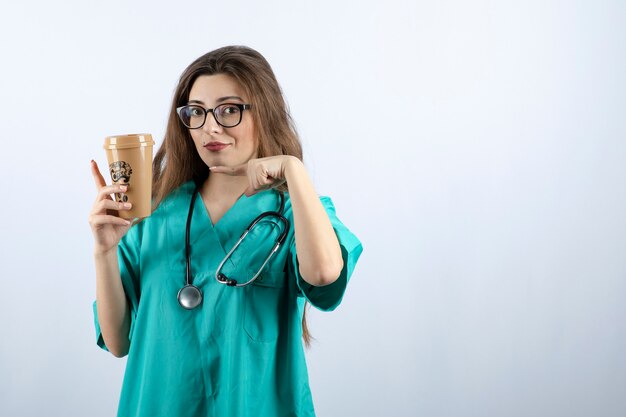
238 170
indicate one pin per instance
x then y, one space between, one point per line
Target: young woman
206 334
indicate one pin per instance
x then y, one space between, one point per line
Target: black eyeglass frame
241 108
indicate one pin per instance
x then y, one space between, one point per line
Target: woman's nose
211 125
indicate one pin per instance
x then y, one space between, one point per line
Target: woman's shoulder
174 202
177 196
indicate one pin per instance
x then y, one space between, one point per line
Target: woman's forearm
113 313
319 253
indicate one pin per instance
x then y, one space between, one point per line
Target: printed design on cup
121 172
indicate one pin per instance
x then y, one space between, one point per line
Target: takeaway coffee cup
130 164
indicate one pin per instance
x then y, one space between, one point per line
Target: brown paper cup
130 163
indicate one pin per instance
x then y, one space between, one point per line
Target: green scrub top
240 352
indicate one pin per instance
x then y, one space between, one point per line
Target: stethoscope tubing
190 296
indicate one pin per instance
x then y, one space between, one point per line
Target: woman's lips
215 146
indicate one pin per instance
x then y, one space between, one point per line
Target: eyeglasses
226 115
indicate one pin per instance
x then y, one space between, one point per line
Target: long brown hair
177 160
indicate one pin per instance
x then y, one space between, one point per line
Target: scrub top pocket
264 307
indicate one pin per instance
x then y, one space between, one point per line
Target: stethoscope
190 296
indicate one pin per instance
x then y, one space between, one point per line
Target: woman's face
218 145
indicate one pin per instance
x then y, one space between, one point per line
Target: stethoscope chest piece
189 297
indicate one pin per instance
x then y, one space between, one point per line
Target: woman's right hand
106 225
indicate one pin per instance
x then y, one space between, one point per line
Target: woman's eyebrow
222 99
219 100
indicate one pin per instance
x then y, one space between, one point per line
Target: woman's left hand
262 173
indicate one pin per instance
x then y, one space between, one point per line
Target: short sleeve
328 297
128 254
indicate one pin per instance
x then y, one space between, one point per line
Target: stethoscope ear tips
223 278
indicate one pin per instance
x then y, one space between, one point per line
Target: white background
476 148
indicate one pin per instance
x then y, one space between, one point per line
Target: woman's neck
219 192
222 186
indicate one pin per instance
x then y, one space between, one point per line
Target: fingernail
123 187
127 205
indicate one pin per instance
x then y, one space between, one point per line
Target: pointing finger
97 176
250 191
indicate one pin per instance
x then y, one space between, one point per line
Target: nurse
230 150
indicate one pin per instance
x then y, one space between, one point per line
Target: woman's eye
230 109
195 112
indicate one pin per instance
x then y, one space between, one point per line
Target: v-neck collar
221 237
216 225
230 226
